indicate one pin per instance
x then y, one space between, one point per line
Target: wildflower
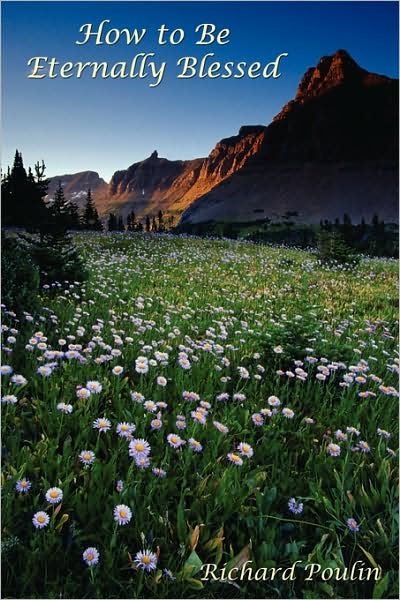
159 472
364 446
102 424
309 421
139 447
150 406
120 486
137 397
245 449
54 495
174 440
295 506
244 374
195 445
168 573
352 525
339 435
274 401
125 429
221 427
190 396
181 424
9 399
6 370
64 408
198 416
117 370
161 381
239 397
122 514
94 387
333 449
40 519
146 560
18 380
91 556
142 462
288 413
87 457
235 459
353 430
156 424
83 393
257 419
44 371
23 485
383 433
391 452
278 349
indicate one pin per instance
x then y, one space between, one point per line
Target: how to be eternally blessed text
147 65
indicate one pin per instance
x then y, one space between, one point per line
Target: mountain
332 149
76 186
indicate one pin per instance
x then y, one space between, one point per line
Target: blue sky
105 125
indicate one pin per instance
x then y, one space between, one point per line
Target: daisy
125 429
383 433
91 556
353 430
64 408
40 519
120 486
9 399
6 370
195 445
102 424
221 427
122 514
174 440
288 413
118 370
198 416
161 381
159 472
150 406
352 525
146 560
94 387
44 371
156 424
23 485
235 459
87 457
257 419
339 435
138 448
245 449
142 462
364 446
274 401
54 495
295 506
18 380
137 397
333 449
83 393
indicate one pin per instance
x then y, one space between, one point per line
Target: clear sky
105 125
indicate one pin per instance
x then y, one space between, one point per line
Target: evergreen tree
90 217
160 219
139 226
147 226
112 222
131 221
121 226
153 224
73 216
333 249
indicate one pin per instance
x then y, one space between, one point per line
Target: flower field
197 402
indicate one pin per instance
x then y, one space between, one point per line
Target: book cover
200 299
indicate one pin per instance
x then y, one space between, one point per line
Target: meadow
195 402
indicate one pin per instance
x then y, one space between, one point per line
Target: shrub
19 275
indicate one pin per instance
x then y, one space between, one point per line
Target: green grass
227 305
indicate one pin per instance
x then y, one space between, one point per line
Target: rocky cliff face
76 186
332 149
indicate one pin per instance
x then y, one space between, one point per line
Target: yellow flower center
23 483
235 458
54 494
122 514
124 427
146 560
87 456
174 439
90 556
139 447
41 519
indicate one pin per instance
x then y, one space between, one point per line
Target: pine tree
147 226
112 222
160 221
90 217
139 226
153 224
73 216
131 221
121 226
